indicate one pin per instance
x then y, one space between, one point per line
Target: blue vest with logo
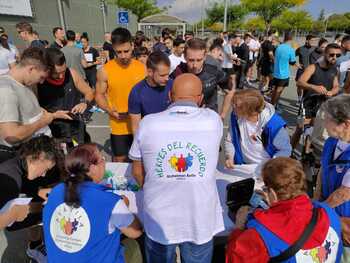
93 244
269 133
275 246
333 172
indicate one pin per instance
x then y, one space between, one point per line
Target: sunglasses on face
332 55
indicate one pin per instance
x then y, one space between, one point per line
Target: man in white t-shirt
177 55
177 172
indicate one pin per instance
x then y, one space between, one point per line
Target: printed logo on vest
327 253
180 160
70 228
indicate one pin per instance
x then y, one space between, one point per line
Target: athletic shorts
121 144
280 82
229 71
312 105
266 69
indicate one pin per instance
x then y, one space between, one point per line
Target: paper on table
13 202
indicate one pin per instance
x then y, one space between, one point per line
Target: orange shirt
120 82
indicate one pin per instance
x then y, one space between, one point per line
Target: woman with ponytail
83 221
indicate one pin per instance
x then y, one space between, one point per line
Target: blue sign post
123 17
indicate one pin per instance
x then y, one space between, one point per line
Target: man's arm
83 60
13 132
339 196
138 172
305 77
347 84
335 88
227 103
82 86
135 120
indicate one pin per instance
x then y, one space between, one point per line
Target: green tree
140 8
235 14
255 24
293 20
318 26
270 9
338 22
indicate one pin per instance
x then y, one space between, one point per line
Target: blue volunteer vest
333 172
81 235
269 133
275 246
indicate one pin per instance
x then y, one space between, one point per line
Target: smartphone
74 117
239 193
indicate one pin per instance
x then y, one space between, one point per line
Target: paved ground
100 132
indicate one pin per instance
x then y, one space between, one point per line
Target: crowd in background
167 99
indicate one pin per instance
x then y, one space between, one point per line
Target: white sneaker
38 253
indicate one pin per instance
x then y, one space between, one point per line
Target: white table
223 178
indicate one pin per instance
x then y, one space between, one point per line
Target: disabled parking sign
123 17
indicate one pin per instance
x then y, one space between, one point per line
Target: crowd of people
166 119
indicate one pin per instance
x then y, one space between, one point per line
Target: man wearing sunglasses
319 81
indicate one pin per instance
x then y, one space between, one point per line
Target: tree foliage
255 24
293 20
140 8
339 22
270 9
235 14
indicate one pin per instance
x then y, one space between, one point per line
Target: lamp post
327 18
225 16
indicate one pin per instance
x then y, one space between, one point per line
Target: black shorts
312 105
266 68
121 144
229 71
280 82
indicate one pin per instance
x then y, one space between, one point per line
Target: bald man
174 155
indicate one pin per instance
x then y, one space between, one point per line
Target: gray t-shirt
74 56
18 104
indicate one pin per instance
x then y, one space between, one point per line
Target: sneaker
38 253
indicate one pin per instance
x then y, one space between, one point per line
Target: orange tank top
120 82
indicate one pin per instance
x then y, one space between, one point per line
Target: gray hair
338 108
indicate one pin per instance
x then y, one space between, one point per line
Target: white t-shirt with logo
179 148
175 61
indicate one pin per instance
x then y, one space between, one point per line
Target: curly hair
285 176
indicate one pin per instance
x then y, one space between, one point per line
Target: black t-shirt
303 53
11 173
55 45
243 52
108 46
266 47
211 78
315 55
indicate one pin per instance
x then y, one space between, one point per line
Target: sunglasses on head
332 55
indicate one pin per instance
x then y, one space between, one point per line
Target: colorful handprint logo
181 164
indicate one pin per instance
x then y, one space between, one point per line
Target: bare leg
276 94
